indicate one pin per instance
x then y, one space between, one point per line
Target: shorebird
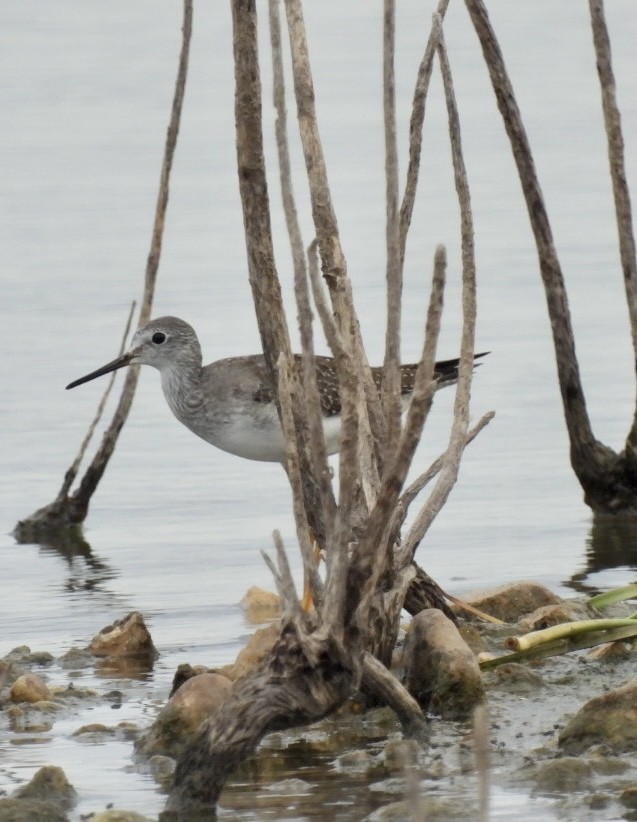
230 403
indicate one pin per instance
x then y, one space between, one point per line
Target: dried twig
376 674
481 756
73 509
331 330
394 273
412 491
318 455
284 581
253 188
69 477
293 465
376 550
332 258
266 290
586 453
621 193
415 129
458 436
100 461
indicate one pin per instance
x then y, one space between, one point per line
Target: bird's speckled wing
325 376
445 372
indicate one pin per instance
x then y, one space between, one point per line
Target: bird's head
164 343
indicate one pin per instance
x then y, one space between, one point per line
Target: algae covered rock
128 637
30 688
51 785
260 605
610 719
30 810
184 712
257 648
512 601
46 798
441 671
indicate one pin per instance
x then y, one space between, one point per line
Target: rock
161 768
115 698
613 651
9 672
260 605
29 688
18 654
94 729
602 762
355 762
473 636
628 798
30 810
400 754
49 785
185 672
25 656
441 671
292 786
563 775
199 697
184 712
517 678
598 801
32 719
119 816
510 602
259 646
73 692
432 808
128 637
394 810
76 659
610 719
396 785
545 617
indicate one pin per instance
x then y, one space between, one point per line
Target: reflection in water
612 543
125 667
299 775
88 574
87 571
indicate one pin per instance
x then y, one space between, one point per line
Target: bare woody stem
458 436
416 128
394 273
72 510
586 453
317 452
100 460
332 258
623 208
69 477
253 187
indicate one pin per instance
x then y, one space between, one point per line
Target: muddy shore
356 762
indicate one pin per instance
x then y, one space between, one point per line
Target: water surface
176 528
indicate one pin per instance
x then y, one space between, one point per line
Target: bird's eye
158 337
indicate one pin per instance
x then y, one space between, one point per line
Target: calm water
176 526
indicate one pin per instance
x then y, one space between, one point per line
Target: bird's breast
253 434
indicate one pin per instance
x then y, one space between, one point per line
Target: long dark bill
120 362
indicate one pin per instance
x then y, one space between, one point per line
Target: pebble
30 688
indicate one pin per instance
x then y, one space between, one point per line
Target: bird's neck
183 390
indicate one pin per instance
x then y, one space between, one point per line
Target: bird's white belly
260 437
